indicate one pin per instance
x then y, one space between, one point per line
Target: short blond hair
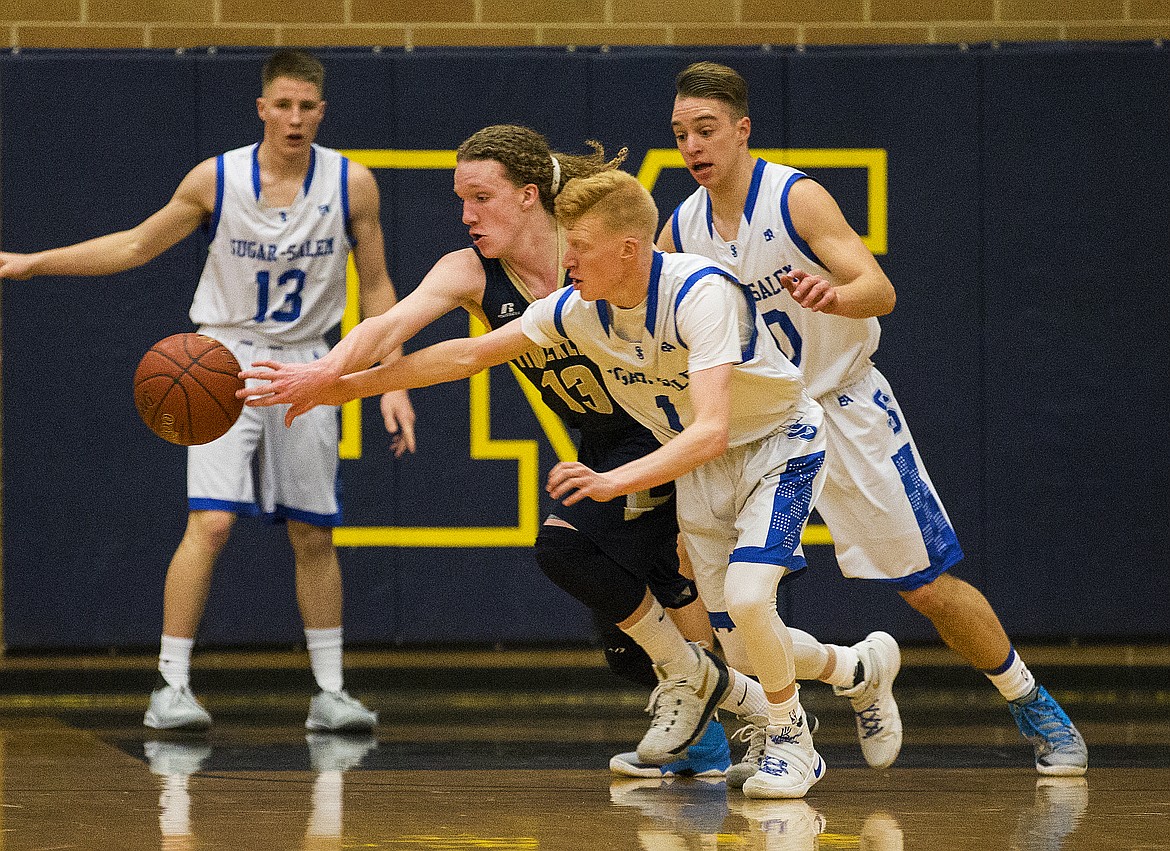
617 197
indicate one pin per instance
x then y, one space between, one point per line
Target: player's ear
743 128
260 107
531 194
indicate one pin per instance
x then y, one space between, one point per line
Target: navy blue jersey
639 531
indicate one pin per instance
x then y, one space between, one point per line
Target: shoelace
661 691
756 738
1050 724
870 720
774 765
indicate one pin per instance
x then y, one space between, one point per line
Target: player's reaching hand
398 415
810 291
301 386
574 481
17 267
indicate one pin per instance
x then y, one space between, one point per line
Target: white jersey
831 351
278 271
696 316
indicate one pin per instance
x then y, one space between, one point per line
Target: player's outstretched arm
704 439
447 361
192 202
451 283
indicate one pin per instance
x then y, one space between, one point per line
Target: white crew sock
1012 678
663 643
174 660
746 699
324 647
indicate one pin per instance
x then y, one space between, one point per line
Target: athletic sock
780 714
848 670
746 699
1012 678
174 660
324 647
663 643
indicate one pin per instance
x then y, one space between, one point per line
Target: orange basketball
185 389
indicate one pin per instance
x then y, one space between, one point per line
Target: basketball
185 389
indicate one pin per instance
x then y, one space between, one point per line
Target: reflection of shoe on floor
879 724
176 758
332 752
689 807
1060 804
175 709
1060 750
710 756
786 825
881 832
336 711
680 709
790 765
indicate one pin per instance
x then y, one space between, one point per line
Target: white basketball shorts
881 508
751 504
260 467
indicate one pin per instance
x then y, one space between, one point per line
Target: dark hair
295 65
715 81
527 158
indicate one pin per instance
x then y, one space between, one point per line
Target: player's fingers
405 438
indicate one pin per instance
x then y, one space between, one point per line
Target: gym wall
1017 197
507 23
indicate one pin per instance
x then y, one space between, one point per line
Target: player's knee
933 598
578 567
309 542
209 530
750 593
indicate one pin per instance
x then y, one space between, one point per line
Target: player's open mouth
700 168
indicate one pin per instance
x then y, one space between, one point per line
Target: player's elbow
713 441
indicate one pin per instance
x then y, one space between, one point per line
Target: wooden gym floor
508 750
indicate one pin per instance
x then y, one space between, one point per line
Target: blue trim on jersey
217 210
721 620
710 218
937 535
603 315
686 288
675 231
652 292
345 200
203 503
312 168
256 171
557 318
786 215
790 509
749 206
1002 669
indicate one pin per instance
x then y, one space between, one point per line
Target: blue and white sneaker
790 765
1060 750
710 756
